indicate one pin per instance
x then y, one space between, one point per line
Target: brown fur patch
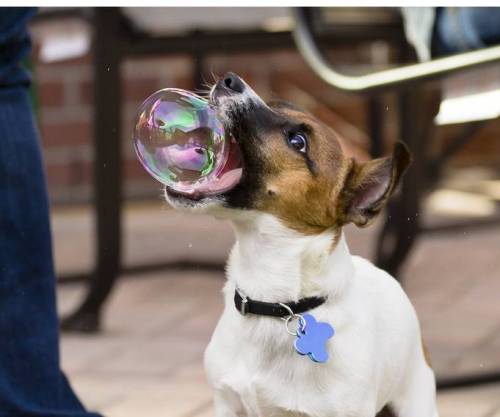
323 189
303 198
427 356
335 240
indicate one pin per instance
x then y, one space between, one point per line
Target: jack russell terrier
308 329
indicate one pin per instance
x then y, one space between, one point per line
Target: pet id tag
312 336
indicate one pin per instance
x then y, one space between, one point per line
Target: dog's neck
271 262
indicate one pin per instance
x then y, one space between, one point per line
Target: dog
291 261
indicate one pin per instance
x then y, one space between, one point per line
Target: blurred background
133 273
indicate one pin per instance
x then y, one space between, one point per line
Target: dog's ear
369 185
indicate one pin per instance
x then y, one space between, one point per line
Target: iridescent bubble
182 144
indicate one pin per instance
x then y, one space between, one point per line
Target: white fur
242 101
376 355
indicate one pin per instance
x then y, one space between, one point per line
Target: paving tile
154 359
482 357
148 360
155 233
81 353
176 397
478 402
98 393
70 226
495 413
132 375
68 297
207 411
152 233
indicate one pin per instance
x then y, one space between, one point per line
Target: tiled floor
148 361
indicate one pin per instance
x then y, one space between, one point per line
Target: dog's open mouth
225 180
229 176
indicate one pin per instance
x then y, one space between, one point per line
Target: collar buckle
244 306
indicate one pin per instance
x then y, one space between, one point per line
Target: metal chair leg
376 125
401 225
399 231
417 109
107 171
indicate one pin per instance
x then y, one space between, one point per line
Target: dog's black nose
232 82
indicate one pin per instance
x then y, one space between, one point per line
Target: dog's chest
275 392
270 379
254 359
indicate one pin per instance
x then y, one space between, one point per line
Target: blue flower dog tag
312 337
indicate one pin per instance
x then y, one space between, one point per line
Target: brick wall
65 111
64 92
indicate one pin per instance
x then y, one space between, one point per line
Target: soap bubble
180 142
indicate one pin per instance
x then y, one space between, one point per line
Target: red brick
183 81
73 173
139 89
135 90
270 73
51 93
65 133
133 169
86 92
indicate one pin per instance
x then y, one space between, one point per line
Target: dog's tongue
222 184
228 177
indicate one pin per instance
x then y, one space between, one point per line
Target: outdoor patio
148 359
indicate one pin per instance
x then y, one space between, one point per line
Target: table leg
107 171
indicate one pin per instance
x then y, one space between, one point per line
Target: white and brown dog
296 193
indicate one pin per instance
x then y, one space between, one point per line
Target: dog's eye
298 141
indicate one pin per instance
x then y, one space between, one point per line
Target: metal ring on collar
301 324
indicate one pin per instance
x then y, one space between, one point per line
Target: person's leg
31 382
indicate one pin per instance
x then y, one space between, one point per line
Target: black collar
246 305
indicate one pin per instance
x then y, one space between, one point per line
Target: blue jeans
31 382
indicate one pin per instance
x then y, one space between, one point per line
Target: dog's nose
234 83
